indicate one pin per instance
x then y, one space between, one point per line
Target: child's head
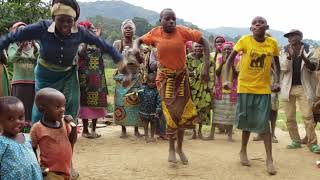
11 115
65 13
51 103
259 26
151 80
168 20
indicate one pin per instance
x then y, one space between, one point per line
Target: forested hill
114 11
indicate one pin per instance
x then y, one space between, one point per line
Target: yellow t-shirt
255 64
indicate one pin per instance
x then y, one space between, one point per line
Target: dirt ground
112 158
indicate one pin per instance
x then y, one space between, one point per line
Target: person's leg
273 119
307 116
243 152
136 132
200 131
85 131
146 129
229 131
194 134
94 125
153 129
172 150
212 131
123 132
94 134
290 111
268 147
183 157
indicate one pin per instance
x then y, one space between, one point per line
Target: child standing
17 159
150 106
254 101
53 134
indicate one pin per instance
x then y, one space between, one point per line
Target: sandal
294 145
315 148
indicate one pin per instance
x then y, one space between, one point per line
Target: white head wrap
128 22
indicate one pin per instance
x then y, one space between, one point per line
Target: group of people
159 81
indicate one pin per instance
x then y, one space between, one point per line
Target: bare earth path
112 158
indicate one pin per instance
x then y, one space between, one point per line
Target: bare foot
146 138
211 137
200 136
172 156
244 159
194 136
151 140
123 135
183 157
230 139
137 134
270 168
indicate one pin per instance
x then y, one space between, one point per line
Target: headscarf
218 47
189 45
86 24
130 23
71 3
62 9
227 43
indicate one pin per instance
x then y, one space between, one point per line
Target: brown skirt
177 106
25 92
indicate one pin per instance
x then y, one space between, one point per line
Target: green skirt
253 112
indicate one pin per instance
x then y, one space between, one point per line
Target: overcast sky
281 14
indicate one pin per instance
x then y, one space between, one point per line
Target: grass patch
110 82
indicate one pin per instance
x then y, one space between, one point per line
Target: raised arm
30 32
91 39
229 63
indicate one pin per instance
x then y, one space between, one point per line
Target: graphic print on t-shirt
257 59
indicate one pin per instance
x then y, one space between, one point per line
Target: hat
293 31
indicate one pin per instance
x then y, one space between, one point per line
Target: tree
28 11
142 26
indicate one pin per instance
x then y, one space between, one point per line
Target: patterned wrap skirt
177 105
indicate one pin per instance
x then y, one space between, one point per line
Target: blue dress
18 161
